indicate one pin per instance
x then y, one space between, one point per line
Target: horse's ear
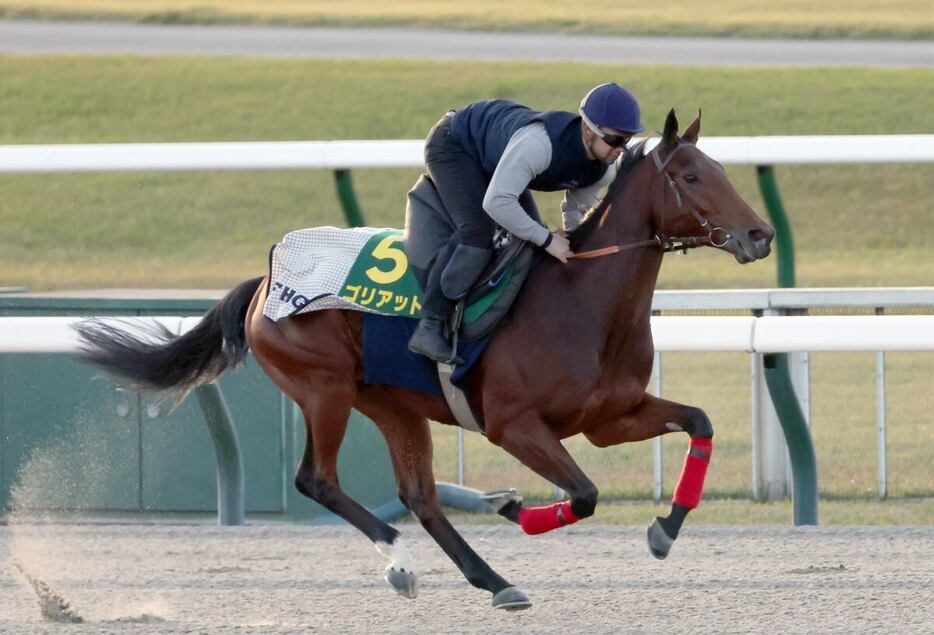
690 135
670 136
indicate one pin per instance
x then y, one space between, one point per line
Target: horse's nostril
758 235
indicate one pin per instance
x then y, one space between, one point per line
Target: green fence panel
138 454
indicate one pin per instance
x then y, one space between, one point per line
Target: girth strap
457 401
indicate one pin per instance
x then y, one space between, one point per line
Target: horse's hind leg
325 424
311 359
654 417
409 440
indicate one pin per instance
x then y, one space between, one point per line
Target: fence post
880 418
773 203
658 484
348 199
804 496
230 485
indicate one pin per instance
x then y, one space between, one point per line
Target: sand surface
278 578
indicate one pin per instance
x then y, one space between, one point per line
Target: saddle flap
507 248
491 298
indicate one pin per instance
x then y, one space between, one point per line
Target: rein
666 243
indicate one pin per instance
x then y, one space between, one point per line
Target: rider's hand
559 247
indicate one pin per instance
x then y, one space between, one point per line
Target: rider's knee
583 505
697 424
462 270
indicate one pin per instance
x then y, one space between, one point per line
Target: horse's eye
690 178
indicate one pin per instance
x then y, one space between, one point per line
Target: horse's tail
154 358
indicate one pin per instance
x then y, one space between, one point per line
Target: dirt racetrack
272 578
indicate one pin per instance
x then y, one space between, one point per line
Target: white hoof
405 583
400 573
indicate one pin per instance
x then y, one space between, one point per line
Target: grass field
901 19
855 225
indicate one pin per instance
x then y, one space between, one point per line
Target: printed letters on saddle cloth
361 268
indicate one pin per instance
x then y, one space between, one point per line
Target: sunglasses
612 140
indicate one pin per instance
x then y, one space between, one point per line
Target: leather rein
666 243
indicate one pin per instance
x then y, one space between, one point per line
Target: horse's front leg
654 417
535 444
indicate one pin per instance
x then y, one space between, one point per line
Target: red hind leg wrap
538 520
691 484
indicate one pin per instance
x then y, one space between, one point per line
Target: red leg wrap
691 484
538 520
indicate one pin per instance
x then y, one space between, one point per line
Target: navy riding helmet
612 106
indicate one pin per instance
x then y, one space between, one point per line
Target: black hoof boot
659 540
428 340
505 502
663 532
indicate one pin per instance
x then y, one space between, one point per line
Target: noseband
661 239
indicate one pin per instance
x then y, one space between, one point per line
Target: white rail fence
771 470
770 334
295 155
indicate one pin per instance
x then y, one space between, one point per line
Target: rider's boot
428 338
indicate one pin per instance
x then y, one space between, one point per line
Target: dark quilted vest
485 127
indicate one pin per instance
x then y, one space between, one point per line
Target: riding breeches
461 184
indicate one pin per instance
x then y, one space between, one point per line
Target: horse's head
699 203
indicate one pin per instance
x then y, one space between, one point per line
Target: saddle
478 314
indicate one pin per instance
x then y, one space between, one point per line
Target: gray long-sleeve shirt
527 155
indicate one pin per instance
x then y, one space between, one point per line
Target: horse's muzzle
756 244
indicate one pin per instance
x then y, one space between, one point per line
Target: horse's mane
591 219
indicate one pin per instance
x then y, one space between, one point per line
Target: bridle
661 240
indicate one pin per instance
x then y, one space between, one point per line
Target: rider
485 157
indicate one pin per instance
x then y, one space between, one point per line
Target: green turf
781 18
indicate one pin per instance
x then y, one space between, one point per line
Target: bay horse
573 357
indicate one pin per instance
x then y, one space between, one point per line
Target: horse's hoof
405 583
500 498
512 599
659 542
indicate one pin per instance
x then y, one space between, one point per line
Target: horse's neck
609 298
623 283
